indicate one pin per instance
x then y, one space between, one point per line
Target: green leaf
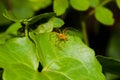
13 29
26 73
42 18
23 13
57 22
118 3
19 60
60 6
10 16
54 22
70 57
81 5
18 51
104 15
114 45
94 3
45 27
10 32
40 4
109 65
3 20
61 60
110 76
18 12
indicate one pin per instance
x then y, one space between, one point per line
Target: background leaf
118 3
10 16
17 12
42 18
10 32
109 65
3 20
13 29
54 22
60 6
114 45
40 4
81 5
45 27
57 22
104 16
94 3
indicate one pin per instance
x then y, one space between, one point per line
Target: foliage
38 47
104 15
59 60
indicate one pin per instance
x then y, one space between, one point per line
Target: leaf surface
94 3
40 18
19 12
104 15
10 32
118 3
70 57
60 6
40 4
109 64
54 22
81 5
18 51
61 60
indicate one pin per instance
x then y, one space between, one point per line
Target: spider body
62 36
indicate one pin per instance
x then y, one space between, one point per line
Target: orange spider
62 36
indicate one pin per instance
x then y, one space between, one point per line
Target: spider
61 35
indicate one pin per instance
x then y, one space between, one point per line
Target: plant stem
84 30
26 29
105 2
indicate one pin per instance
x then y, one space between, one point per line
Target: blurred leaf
11 32
48 26
118 3
60 6
104 15
40 4
114 45
81 5
45 27
57 22
17 12
111 76
23 13
13 29
9 15
94 3
42 18
61 56
109 65
3 20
